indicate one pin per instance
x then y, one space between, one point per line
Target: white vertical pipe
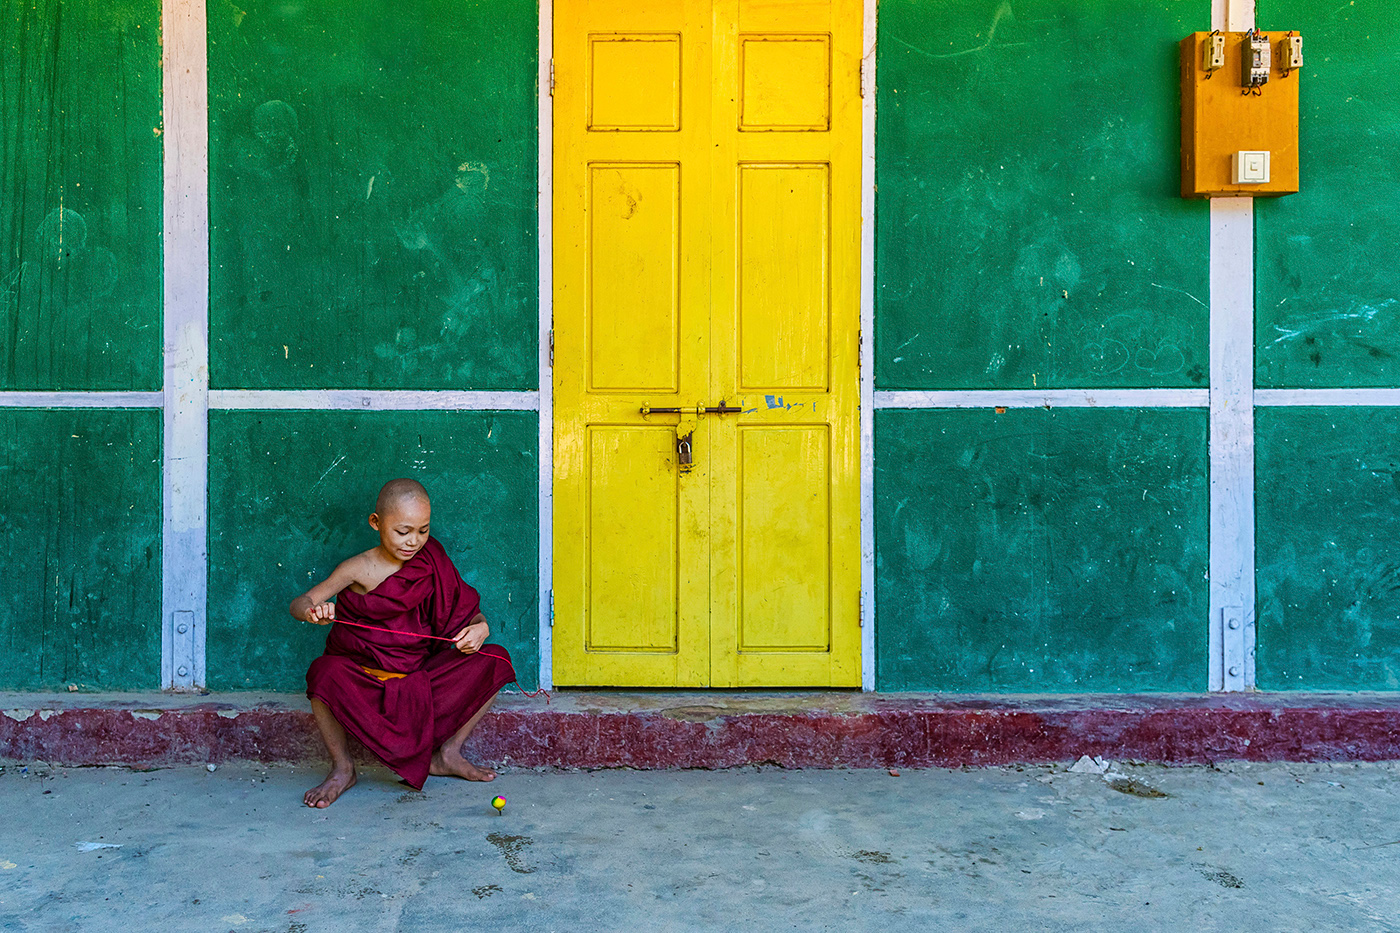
867 350
546 259
184 547
1232 595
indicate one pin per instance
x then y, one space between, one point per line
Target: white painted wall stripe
1044 398
546 393
82 399
867 350
471 400
1231 441
1231 623
186 332
372 400
1340 398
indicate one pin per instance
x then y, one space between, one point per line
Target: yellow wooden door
707 226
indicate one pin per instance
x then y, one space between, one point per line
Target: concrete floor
1264 847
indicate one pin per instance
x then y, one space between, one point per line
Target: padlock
685 445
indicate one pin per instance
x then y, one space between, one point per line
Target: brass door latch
720 409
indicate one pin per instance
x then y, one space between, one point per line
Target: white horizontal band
452 400
81 399
1380 398
372 400
1047 398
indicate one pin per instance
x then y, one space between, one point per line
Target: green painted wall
1029 231
1328 549
373 202
1328 283
1327 313
289 495
80 194
373 193
80 546
1045 551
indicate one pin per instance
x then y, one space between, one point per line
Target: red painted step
720 730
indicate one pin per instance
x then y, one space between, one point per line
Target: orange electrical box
1237 123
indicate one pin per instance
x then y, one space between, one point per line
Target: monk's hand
321 614
470 639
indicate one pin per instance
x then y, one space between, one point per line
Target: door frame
545 210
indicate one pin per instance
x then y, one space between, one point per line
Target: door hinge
864 77
551 348
551 609
860 350
551 77
862 610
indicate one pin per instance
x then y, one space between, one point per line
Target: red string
523 691
393 631
481 650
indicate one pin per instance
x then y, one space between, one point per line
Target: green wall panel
1030 232
1041 551
80 546
373 194
1327 279
80 194
1328 549
289 495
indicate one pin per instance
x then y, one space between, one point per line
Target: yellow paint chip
6 866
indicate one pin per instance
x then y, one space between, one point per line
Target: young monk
411 700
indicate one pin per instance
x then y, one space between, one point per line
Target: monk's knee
326 667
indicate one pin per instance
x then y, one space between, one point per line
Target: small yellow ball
499 803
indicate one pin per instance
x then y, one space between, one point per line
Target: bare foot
448 762
335 784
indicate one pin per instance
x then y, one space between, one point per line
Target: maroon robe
403 720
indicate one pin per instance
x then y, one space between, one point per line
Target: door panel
633 592
634 247
783 284
634 82
707 225
785 82
784 539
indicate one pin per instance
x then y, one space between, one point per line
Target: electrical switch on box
1251 168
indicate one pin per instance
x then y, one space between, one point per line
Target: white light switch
1251 168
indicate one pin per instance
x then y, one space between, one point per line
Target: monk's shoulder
360 567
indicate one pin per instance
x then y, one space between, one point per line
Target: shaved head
398 491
